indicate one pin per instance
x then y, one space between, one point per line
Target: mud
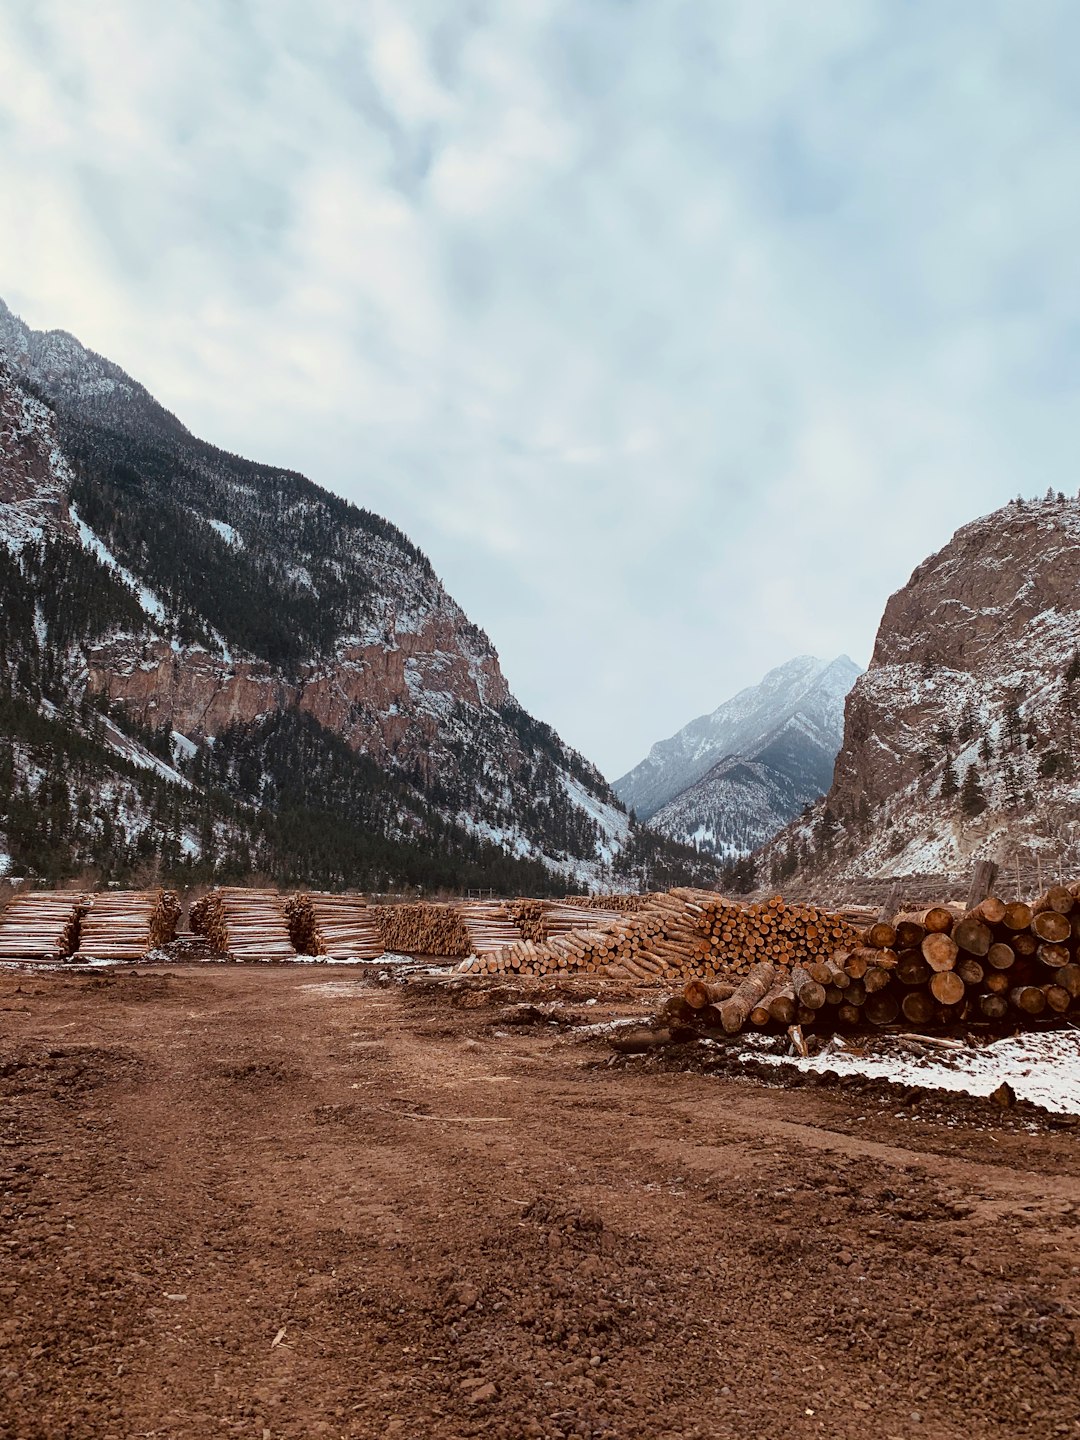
278 1202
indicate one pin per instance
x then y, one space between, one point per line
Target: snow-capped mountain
257 622
729 780
962 740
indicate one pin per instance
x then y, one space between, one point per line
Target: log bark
735 1012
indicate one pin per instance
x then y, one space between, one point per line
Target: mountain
961 740
210 662
730 780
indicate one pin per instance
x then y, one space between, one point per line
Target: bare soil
286 1202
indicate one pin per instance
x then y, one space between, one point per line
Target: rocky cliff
960 741
191 594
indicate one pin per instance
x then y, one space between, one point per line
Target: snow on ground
227 533
131 750
1040 1066
147 599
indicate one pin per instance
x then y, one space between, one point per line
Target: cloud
677 334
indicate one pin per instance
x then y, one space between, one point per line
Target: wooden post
982 882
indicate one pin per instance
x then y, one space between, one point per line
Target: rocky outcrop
967 688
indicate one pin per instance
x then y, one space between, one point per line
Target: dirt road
276 1202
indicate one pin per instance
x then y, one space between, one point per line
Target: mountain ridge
218 595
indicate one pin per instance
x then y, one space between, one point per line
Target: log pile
542 920
127 924
490 926
998 961
423 929
618 901
41 925
246 924
682 935
341 926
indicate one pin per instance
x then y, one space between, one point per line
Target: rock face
960 741
728 781
219 594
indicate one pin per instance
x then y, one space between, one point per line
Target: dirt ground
281 1202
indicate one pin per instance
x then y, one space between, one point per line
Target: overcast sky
676 334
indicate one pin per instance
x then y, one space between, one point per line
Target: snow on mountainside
962 740
730 780
217 600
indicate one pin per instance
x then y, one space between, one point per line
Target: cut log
1052 926
782 1006
808 992
882 1008
735 1012
909 934
880 936
990 911
947 987
1000 956
912 969
972 935
1058 999
1017 916
969 969
1056 898
877 978
938 920
1028 998
1069 979
939 950
993 1007
918 1007
1054 957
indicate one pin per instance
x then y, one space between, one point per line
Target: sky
676 332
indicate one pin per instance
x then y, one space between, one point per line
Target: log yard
675 1164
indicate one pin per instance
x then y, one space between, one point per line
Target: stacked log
423 929
542 920
341 926
620 901
996 962
684 934
490 926
127 924
41 925
246 924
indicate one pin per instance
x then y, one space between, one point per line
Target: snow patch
147 599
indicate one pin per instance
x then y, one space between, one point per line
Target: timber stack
490 926
542 920
420 929
1000 961
246 924
340 926
127 924
619 901
683 934
41 925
